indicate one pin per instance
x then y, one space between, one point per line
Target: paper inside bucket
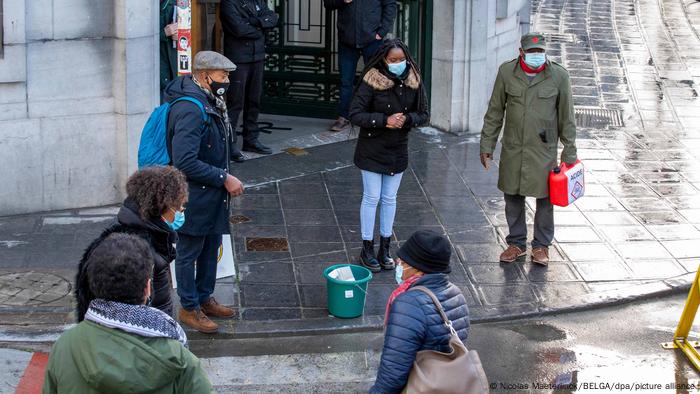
342 273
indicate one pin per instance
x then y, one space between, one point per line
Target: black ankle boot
384 254
367 257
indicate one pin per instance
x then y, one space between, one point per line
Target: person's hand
347 1
233 185
170 30
377 36
486 160
568 164
395 121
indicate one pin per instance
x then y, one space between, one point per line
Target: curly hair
119 268
156 189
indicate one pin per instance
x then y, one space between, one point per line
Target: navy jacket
415 324
244 23
360 20
200 151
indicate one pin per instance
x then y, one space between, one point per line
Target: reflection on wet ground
606 350
635 232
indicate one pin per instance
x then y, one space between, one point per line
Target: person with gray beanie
412 321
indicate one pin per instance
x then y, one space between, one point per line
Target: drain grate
259 244
598 117
560 37
239 219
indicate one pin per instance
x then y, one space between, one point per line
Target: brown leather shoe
511 254
198 320
540 255
340 124
214 309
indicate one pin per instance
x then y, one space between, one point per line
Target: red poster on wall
184 37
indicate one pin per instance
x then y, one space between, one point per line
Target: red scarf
403 287
530 70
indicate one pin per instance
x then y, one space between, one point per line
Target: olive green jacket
538 115
90 358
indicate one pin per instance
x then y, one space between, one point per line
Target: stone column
136 75
467 50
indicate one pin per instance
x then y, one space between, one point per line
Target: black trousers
244 95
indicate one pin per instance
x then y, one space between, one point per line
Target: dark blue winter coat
414 324
201 152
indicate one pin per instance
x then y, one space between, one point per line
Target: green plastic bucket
346 299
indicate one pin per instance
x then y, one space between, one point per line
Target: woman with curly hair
152 210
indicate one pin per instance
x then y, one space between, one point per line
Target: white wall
76 81
467 50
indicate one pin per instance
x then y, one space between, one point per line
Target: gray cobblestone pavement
635 72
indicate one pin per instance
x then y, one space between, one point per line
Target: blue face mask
178 222
398 274
397 68
535 60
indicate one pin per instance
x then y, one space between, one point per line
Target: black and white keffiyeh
135 319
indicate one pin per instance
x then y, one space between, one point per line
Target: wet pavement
635 72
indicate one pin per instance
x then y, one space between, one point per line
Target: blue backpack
153 147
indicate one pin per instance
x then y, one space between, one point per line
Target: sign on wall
184 37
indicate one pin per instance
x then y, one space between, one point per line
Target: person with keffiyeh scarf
412 322
123 345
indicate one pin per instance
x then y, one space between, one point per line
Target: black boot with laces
368 258
384 254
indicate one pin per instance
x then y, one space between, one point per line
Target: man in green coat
123 345
534 94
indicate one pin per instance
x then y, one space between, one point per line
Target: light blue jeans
378 187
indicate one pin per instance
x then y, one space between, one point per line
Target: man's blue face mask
535 59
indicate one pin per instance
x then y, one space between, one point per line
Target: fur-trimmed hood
378 81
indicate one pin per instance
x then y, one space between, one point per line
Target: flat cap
210 60
532 40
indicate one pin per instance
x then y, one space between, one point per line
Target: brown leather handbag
458 371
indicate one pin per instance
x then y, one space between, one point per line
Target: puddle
540 332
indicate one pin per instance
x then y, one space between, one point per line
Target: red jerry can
566 184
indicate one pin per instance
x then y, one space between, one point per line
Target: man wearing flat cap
533 93
199 131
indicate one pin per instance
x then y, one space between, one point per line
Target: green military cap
532 40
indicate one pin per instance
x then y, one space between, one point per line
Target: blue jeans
378 187
347 64
195 288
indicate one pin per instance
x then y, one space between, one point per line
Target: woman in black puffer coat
153 211
389 101
412 321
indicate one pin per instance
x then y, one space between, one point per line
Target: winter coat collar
162 237
378 81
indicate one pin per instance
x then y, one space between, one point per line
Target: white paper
225 264
343 273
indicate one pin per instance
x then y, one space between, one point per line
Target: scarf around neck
140 320
403 287
220 103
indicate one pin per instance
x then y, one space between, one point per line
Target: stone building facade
78 79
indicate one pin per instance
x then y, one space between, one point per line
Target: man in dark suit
362 25
200 150
244 23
